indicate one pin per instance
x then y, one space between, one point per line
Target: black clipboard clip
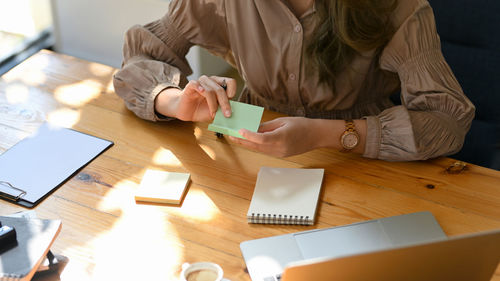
8 196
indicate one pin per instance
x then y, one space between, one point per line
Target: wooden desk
107 236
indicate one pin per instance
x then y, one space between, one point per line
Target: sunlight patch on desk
77 94
208 150
143 230
64 117
75 270
31 77
198 206
41 61
34 77
163 156
153 240
120 197
111 86
268 266
198 132
100 70
17 93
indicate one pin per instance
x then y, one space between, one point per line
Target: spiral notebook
285 196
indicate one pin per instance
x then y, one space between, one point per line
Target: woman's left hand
282 137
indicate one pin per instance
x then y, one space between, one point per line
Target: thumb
260 138
270 125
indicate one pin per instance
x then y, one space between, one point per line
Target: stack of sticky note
162 187
244 116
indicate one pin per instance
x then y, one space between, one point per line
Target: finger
267 149
210 97
246 143
219 93
194 86
231 85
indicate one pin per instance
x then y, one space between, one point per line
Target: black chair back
470 40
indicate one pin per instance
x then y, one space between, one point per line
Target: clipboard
37 165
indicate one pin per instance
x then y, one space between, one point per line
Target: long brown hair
345 28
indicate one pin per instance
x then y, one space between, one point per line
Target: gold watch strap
349 126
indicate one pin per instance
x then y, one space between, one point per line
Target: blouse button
297 28
291 77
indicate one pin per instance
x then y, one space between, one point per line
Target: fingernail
227 113
201 89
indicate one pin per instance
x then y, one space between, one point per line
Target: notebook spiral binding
279 219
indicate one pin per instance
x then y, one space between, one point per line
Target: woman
329 64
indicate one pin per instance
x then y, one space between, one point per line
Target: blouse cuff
150 106
373 129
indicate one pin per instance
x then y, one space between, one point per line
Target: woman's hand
283 137
199 99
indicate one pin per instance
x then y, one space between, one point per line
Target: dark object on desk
8 237
217 134
470 42
34 238
38 164
51 268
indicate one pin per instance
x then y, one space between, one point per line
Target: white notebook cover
285 196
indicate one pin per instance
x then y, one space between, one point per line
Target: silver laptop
472 257
267 258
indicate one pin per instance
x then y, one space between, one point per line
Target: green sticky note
244 116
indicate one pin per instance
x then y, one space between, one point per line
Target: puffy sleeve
435 115
154 55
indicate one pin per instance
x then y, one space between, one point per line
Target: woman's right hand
199 99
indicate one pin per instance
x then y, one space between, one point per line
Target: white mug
201 271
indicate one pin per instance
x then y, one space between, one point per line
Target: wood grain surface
108 236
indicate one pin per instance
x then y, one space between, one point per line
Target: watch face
350 140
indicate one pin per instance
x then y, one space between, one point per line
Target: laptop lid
460 258
369 236
268 256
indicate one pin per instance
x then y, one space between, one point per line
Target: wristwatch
350 138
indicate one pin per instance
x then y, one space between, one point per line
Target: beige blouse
265 41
